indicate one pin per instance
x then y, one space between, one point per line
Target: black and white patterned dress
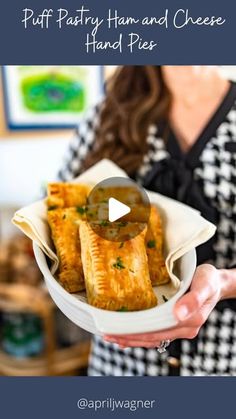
210 166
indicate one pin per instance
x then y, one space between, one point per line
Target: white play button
108 204
116 209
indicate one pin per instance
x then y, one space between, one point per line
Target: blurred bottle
22 334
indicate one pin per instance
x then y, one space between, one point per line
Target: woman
174 130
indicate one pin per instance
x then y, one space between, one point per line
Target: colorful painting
49 96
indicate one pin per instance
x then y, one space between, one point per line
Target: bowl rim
113 315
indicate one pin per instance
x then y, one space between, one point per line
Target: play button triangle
116 209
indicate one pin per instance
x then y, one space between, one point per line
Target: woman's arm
209 286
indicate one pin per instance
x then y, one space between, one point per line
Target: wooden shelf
64 362
54 361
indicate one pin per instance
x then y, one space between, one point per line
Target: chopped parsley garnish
104 223
123 309
121 245
81 210
122 224
151 244
52 207
131 270
64 216
164 298
119 264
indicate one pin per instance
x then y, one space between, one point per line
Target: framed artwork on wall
49 96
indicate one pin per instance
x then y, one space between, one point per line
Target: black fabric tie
174 178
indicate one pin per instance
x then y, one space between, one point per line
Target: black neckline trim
192 156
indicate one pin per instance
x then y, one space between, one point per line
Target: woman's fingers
154 338
204 286
138 344
192 310
128 343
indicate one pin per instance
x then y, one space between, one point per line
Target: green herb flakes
81 210
119 264
104 223
123 309
122 224
151 244
52 207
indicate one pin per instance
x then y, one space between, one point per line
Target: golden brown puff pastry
64 224
65 195
116 274
127 194
154 248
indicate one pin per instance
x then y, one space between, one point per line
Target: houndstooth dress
212 164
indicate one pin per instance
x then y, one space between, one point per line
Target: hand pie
154 249
64 224
65 195
116 274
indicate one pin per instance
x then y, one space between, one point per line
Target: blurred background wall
28 160
34 339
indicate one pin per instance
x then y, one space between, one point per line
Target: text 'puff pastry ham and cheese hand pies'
64 224
65 195
154 249
116 274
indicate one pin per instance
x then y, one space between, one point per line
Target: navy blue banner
117 32
81 397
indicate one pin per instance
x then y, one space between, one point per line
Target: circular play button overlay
117 209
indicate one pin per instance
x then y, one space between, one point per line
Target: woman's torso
210 166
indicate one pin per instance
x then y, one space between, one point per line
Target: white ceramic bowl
99 321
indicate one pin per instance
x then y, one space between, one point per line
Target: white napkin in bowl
184 228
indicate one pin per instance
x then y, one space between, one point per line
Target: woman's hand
191 311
